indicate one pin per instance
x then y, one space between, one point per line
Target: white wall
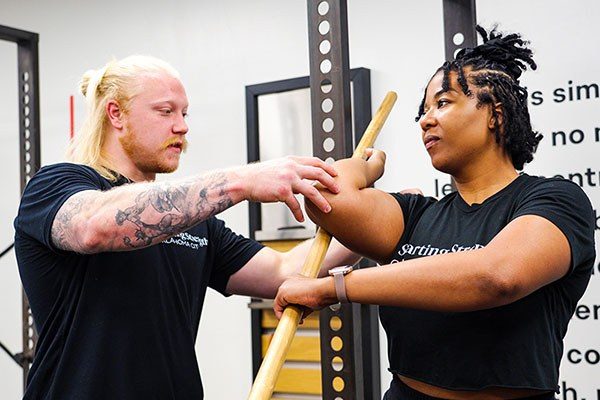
219 47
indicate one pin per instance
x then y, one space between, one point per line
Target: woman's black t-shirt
518 345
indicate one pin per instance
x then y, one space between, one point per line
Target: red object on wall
71 116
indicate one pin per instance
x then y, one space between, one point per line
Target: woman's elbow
333 221
312 211
497 289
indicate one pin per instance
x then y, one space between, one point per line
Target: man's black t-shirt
518 345
116 325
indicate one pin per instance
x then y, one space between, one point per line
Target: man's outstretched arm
143 214
268 269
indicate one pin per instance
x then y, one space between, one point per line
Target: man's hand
280 179
311 293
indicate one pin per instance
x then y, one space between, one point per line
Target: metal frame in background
29 150
349 372
367 320
460 18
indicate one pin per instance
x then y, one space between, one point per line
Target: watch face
344 269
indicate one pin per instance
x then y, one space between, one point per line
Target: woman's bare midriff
493 393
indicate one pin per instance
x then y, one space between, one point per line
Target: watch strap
340 287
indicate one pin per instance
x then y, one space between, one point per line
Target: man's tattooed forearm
213 198
177 206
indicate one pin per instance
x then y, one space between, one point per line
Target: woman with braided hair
475 289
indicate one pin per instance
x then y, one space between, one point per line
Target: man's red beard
146 160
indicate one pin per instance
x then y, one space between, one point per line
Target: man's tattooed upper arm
62 226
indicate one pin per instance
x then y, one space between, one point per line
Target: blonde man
116 265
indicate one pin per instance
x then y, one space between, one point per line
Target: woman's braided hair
494 68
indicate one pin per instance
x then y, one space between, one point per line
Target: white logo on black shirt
424 251
185 239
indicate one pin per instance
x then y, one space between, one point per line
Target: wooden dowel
368 138
288 324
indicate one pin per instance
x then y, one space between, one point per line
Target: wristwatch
338 281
